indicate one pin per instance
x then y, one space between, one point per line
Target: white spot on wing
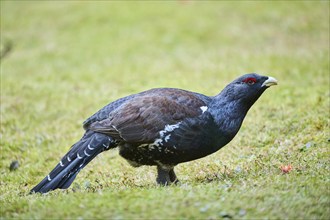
143 145
167 137
61 163
169 128
86 153
158 142
68 158
114 127
48 177
204 108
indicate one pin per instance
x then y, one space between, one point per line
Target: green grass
68 59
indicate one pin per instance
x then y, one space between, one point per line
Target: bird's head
248 88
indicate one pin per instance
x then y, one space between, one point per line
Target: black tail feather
80 154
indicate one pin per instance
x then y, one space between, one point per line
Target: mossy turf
62 61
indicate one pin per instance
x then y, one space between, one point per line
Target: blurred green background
62 61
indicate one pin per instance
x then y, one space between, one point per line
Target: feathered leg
166 176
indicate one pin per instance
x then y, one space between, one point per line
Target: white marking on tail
68 158
61 163
86 153
48 177
79 157
89 147
204 108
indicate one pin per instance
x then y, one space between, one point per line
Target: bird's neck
228 114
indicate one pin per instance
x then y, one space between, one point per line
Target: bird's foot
166 177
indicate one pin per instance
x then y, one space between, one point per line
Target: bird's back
181 96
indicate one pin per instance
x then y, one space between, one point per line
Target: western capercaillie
161 127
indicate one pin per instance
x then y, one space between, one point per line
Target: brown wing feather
140 119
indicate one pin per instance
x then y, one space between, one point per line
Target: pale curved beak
271 81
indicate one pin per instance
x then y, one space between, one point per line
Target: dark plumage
161 127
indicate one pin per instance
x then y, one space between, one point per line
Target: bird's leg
173 177
163 177
166 176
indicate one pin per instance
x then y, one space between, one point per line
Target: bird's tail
80 154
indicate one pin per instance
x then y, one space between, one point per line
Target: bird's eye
250 81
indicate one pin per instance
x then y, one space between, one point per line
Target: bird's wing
142 118
104 112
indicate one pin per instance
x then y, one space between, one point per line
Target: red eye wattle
250 80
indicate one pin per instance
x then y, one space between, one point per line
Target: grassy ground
68 59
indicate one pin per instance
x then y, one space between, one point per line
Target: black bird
161 127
